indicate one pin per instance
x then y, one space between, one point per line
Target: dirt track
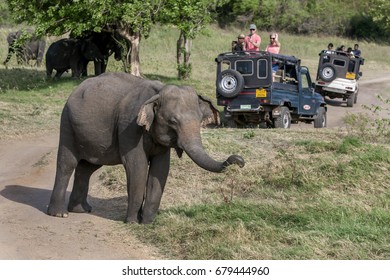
27 170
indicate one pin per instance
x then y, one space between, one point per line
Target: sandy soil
27 169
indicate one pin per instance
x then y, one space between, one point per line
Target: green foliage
58 17
307 17
5 18
380 12
184 71
249 134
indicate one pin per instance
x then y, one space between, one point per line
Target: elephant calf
117 118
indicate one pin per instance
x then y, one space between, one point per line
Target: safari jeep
338 75
252 96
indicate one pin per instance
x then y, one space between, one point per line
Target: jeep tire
351 99
284 119
328 72
230 83
356 96
320 121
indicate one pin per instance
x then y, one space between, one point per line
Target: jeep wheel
284 119
320 121
356 95
327 72
231 123
351 99
230 83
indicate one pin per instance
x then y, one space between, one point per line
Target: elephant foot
57 212
80 208
132 220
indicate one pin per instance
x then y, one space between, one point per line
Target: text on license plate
245 107
261 93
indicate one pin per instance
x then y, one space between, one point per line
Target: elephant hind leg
78 198
66 163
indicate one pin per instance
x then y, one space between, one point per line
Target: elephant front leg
158 174
78 198
136 173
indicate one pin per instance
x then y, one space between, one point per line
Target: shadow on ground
109 208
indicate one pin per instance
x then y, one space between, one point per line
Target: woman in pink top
252 41
273 47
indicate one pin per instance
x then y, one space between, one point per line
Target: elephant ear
210 113
147 111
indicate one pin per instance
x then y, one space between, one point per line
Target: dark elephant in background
31 49
107 43
71 54
117 118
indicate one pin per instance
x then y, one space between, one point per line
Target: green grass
303 194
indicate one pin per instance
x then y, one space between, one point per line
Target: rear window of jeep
262 68
338 62
245 67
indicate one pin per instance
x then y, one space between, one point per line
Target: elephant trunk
196 152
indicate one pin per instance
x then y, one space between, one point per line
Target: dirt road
27 169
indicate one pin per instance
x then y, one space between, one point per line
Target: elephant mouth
168 141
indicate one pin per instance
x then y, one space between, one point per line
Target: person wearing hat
239 45
252 41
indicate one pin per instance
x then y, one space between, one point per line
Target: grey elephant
108 43
31 49
71 54
117 118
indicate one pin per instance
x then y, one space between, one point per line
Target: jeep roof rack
254 54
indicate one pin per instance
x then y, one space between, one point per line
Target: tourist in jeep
239 45
273 47
252 41
356 50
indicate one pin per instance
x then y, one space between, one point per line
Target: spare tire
230 83
327 72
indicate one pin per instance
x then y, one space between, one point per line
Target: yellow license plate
261 93
350 75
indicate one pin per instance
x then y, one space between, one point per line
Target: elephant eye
172 121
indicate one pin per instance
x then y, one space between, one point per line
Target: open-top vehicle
253 96
338 75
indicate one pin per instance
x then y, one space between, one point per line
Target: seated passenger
356 50
274 47
341 48
239 45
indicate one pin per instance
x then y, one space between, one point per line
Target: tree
132 19
380 12
190 17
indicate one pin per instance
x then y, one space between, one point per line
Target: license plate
245 107
350 75
261 93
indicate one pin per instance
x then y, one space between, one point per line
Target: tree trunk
183 53
132 57
179 48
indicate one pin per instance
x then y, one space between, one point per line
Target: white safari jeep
338 75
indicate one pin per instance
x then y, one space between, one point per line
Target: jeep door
306 93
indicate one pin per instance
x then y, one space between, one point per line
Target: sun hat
252 26
241 36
